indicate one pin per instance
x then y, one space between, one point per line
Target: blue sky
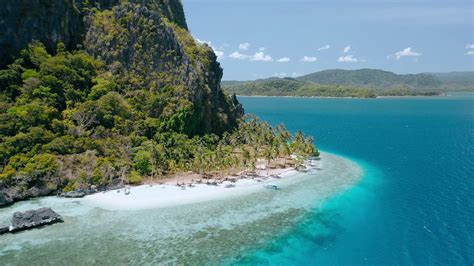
263 38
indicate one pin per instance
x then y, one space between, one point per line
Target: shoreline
174 222
190 178
344 97
155 196
183 190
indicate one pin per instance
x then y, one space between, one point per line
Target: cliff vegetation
129 96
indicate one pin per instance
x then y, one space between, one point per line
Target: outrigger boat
272 186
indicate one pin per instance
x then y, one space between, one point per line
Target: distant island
362 83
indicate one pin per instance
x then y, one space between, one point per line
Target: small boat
229 186
127 191
272 186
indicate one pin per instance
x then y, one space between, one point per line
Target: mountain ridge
382 80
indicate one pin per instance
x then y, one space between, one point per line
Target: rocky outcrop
4 229
145 49
5 197
31 219
34 218
51 21
146 42
73 194
20 191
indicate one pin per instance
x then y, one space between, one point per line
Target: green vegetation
67 123
374 79
361 83
146 53
297 87
293 87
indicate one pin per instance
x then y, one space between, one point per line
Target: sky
263 38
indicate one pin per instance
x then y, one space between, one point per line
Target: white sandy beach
169 194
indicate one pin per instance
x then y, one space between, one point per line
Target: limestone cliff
150 48
50 21
145 43
145 53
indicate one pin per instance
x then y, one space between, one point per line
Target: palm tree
268 154
285 151
283 134
245 157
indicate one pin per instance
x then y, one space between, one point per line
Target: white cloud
284 60
220 54
237 55
327 46
347 58
209 43
244 46
201 41
294 74
280 75
347 49
218 51
261 56
470 52
261 49
308 59
406 52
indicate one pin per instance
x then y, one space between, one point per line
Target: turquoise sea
415 204
404 197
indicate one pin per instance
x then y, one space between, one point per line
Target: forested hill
100 91
363 83
372 78
461 80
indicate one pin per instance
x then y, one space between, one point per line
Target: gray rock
115 184
4 229
34 218
5 198
73 194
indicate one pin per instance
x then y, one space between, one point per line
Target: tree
142 162
84 120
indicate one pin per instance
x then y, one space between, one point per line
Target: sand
168 194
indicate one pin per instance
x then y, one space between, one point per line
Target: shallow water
219 231
415 204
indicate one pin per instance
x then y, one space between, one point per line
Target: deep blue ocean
415 204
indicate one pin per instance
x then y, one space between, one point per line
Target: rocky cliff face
50 21
145 43
47 21
148 49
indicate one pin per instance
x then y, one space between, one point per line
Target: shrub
142 162
134 178
41 166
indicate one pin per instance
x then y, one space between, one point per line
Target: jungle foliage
66 123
